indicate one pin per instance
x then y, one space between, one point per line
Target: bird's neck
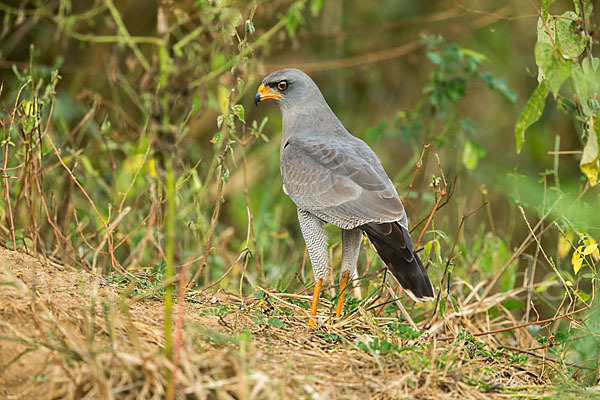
310 119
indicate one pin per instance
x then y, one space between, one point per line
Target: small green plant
518 358
478 348
563 54
403 331
262 318
435 117
351 304
454 66
378 347
139 284
216 311
557 343
328 337
276 322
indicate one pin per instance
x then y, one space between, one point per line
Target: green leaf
379 130
513 304
105 126
589 159
583 296
549 282
499 85
471 155
238 110
454 304
217 137
586 78
237 18
546 32
217 60
546 7
294 19
88 166
427 249
571 37
531 112
240 84
249 27
554 69
589 7
474 54
275 322
315 7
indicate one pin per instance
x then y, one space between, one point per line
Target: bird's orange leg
315 303
343 284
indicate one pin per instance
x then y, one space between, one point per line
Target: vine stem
588 46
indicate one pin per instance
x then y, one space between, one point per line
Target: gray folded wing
340 180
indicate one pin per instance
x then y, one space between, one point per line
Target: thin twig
441 192
521 248
107 227
6 138
510 328
565 152
550 262
450 255
221 181
251 232
588 44
419 163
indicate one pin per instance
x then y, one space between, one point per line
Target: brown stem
510 328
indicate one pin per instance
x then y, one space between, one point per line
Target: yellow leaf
591 171
223 98
590 249
151 168
133 163
595 253
576 255
564 245
577 265
589 158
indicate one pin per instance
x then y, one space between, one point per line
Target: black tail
394 246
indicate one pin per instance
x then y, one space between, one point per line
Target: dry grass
68 334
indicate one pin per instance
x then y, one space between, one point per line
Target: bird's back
339 179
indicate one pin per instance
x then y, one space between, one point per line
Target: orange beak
264 93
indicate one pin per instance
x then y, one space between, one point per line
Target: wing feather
340 180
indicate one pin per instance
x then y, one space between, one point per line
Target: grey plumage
334 177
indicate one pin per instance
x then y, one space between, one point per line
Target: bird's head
288 87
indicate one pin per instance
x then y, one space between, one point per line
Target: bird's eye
282 85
